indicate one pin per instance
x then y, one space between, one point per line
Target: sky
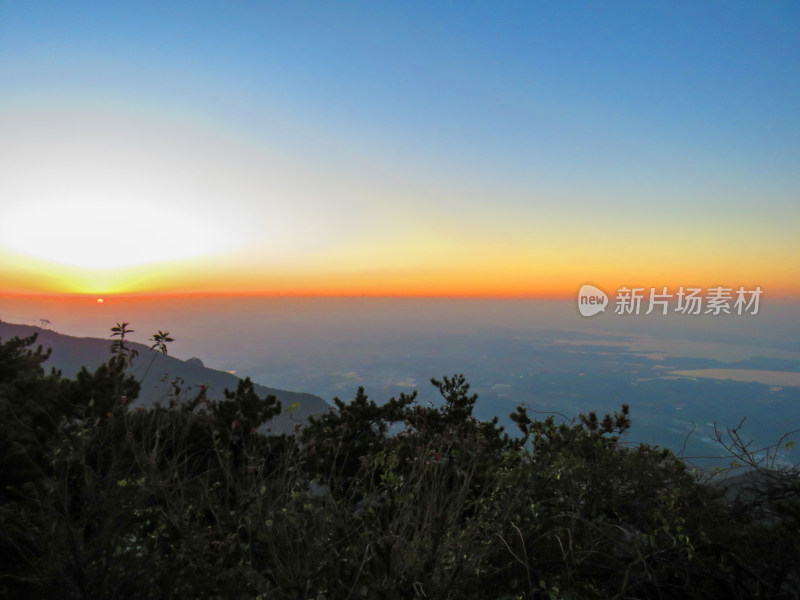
490 149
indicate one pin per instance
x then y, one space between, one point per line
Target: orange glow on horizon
770 293
485 272
405 286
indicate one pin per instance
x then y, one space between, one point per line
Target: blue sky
494 114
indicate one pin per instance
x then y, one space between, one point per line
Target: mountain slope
156 372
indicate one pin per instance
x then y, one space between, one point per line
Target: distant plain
681 375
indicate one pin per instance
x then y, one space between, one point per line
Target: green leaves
192 501
160 341
123 355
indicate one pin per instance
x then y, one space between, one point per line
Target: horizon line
780 295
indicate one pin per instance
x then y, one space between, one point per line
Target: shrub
190 500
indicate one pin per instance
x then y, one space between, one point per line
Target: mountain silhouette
159 374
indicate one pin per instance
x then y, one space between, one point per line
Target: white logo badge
591 300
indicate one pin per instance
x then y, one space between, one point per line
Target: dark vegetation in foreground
189 500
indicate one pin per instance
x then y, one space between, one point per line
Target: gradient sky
423 148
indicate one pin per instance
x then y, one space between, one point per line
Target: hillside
192 501
71 353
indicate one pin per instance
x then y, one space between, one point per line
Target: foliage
398 500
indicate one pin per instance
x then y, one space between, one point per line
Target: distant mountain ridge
70 353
